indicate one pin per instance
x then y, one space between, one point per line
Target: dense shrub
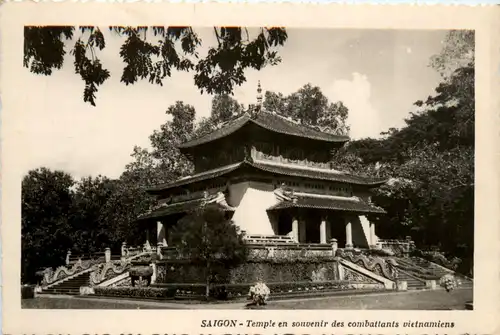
297 271
136 292
181 289
251 271
241 290
27 292
141 271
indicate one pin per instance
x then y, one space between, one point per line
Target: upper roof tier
268 121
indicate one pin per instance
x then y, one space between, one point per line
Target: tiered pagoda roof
268 121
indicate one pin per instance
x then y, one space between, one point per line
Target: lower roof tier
346 204
164 210
333 203
273 169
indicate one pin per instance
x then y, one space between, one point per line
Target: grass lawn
423 300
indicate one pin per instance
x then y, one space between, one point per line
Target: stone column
295 228
160 233
348 234
373 242
322 231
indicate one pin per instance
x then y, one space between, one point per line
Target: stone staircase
70 286
413 282
440 271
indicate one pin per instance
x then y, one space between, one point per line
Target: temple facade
277 181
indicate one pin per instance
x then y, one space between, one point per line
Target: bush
141 271
381 252
182 289
135 292
27 292
227 291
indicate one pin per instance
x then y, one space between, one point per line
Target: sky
377 74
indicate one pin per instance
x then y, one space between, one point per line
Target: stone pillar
160 233
322 231
348 235
155 271
107 255
373 242
295 229
335 246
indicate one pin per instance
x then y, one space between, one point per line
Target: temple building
277 181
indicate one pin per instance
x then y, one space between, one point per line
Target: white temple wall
251 200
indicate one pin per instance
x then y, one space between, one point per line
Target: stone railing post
107 255
124 249
335 246
68 255
158 249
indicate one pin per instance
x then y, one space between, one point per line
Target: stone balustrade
265 239
398 247
271 251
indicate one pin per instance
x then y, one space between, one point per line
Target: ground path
410 300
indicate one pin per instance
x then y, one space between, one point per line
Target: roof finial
256 110
259 94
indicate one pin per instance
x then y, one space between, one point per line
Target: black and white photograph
172 158
248 167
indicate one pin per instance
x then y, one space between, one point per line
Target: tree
309 106
225 108
90 229
46 201
458 51
208 238
164 162
119 213
152 53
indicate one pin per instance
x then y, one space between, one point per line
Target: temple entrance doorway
337 227
312 221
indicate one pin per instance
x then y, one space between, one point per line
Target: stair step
70 286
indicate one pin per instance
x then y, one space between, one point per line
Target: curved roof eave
294 172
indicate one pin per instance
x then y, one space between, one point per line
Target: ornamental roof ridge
326 196
300 167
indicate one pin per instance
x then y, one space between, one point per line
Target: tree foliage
458 51
153 53
430 163
309 106
46 203
208 238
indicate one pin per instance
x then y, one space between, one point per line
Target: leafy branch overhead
152 53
